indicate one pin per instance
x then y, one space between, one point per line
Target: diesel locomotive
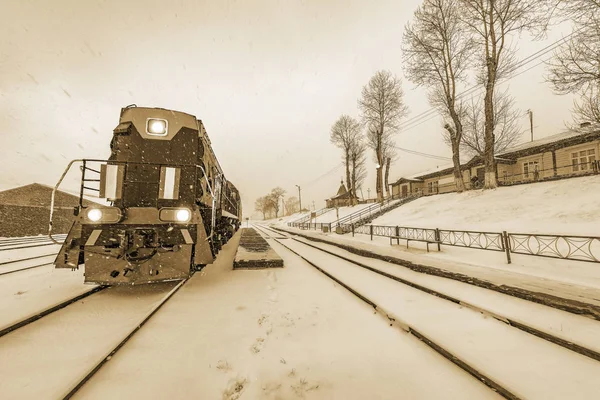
169 208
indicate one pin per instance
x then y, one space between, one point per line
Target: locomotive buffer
254 252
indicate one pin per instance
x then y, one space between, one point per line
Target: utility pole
531 122
313 205
299 197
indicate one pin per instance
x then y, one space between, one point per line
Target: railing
364 216
580 248
357 218
308 217
213 185
560 172
473 239
567 247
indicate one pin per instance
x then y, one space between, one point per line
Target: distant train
171 208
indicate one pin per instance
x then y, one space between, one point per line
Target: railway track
28 242
122 343
578 351
80 335
29 239
11 267
29 320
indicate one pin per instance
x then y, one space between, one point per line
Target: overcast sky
268 78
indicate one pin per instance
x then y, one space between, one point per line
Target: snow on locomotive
171 208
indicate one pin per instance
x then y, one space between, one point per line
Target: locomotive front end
157 188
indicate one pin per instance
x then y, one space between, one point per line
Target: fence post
506 245
371 229
397 231
352 230
330 227
438 238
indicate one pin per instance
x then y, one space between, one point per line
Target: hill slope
569 206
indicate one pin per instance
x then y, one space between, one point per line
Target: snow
572 280
329 216
29 292
570 327
333 215
27 264
528 366
550 139
18 254
48 357
273 334
568 206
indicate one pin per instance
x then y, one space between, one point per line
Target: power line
323 175
418 153
341 164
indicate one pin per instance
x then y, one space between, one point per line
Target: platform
255 253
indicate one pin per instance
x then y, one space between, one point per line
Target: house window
581 160
432 187
530 169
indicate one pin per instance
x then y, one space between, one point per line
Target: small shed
343 198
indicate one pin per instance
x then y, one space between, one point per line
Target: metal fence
567 247
580 248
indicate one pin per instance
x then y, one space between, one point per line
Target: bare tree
358 166
273 199
492 23
292 205
588 109
575 66
344 133
506 126
382 106
263 205
389 155
436 55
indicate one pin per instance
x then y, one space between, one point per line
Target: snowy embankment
330 216
565 207
568 206
334 214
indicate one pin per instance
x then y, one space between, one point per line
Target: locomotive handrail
82 160
213 216
54 194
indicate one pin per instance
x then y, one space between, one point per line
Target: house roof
508 156
562 139
342 189
447 169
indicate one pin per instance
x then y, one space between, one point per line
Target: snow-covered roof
568 134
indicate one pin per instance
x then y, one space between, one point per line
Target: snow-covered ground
503 353
568 206
335 214
330 216
573 280
285 333
46 359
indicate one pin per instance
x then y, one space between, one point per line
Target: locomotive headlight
175 214
183 215
156 127
94 214
106 215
